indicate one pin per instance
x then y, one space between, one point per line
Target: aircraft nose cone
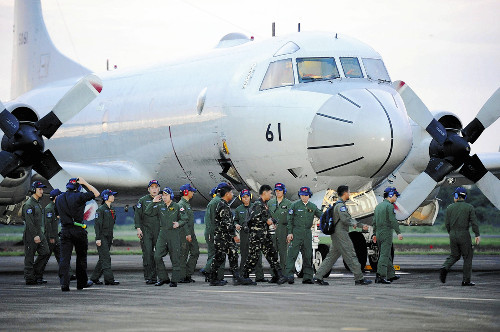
359 133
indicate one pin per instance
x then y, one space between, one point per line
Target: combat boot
237 279
380 280
216 282
246 280
442 274
281 278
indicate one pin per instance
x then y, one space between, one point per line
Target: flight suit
33 215
260 240
240 218
105 219
191 249
384 222
150 227
224 233
52 231
279 212
341 243
300 220
209 235
459 217
169 237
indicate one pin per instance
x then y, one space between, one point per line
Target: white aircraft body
308 109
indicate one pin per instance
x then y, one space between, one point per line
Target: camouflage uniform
260 240
240 218
224 232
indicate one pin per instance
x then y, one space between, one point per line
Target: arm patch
343 209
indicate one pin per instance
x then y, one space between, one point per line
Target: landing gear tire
359 243
320 257
298 266
374 259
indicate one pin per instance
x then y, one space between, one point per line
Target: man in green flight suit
169 241
279 207
52 226
34 240
384 222
209 221
300 220
241 216
341 242
105 219
190 250
148 228
459 217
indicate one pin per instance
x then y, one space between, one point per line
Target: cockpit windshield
316 69
279 73
375 70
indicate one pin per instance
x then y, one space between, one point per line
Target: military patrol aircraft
314 109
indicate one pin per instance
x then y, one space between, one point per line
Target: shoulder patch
343 209
49 214
139 205
29 211
97 215
290 211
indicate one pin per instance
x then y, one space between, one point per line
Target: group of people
273 227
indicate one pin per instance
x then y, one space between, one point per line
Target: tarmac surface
416 302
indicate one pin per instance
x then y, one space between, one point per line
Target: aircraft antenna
274 29
299 28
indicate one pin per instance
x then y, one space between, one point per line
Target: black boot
380 280
281 278
245 280
442 275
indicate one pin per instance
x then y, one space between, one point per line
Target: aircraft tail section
35 59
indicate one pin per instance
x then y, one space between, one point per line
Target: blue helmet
305 191
168 190
73 184
245 192
153 182
280 186
460 192
184 189
54 193
391 191
106 193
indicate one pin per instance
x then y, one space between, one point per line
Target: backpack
326 222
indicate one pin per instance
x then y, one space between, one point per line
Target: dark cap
38 184
187 187
391 191
153 182
54 193
106 193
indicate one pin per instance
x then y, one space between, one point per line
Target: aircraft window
351 67
316 69
288 48
279 73
375 70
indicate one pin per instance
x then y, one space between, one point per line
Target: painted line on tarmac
459 298
246 292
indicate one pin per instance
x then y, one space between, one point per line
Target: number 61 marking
270 135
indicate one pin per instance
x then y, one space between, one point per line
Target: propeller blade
76 99
47 165
420 188
487 115
8 163
474 170
60 179
8 122
490 187
419 113
413 195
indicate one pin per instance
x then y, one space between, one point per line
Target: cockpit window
279 73
351 67
375 70
316 69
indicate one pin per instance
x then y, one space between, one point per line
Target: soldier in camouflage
260 240
225 238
